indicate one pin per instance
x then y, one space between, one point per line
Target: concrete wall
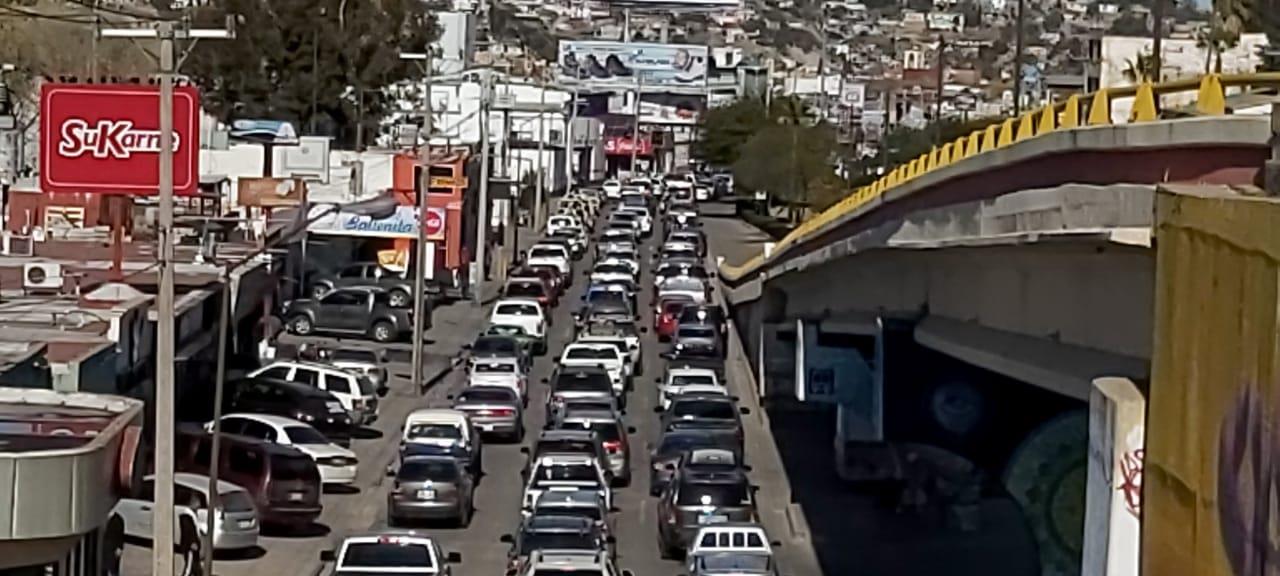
1070 292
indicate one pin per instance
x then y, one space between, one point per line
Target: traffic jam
598 378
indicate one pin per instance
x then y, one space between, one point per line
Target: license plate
297 496
426 494
713 519
245 523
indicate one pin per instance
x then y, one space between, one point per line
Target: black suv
399 285
365 311
301 402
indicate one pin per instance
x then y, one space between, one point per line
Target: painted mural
1210 480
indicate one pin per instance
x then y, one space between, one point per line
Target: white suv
561 221
356 392
550 255
526 313
571 562
600 354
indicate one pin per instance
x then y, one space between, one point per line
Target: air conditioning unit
42 277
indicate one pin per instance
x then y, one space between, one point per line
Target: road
498 495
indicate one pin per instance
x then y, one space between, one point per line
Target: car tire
382 331
301 325
398 299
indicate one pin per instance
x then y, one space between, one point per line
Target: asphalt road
362 508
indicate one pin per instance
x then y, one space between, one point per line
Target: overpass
992 289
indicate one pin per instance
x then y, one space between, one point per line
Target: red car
666 315
532 287
548 274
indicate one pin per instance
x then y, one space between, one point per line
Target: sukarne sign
106 139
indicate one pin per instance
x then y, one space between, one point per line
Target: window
344 298
546 253
183 496
487 395
435 431
254 429
244 460
233 425
337 384
495 368
524 289
387 555
734 494
441 470
567 473
284 468
306 376
584 353
518 310
352 272
278 373
236 501
305 435
693 380
710 409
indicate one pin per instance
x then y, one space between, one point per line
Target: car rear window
608 431
696 332
557 541
524 289
501 395
441 431
583 383
236 501
704 409
434 470
387 555
305 435
546 253
569 446
495 368
584 353
727 494
494 345
518 310
692 379
292 468
566 473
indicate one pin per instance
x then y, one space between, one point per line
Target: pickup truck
399 285
362 311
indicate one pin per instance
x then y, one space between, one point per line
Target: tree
287 54
726 128
1141 68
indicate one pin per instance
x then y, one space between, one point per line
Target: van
284 482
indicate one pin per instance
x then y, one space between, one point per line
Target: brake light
613 445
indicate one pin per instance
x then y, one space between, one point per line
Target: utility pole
635 126
542 134
419 264
1017 57
482 225
162 512
937 98
570 150
822 66
1157 41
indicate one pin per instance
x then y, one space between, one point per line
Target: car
612 289
431 487
318 408
496 410
565 470
346 311
545 272
573 245
630 351
526 313
569 382
685 379
697 340
554 532
390 552
357 393
611 269
548 254
715 412
666 314
613 434
562 441
362 361
399 285
612 189
587 504
697 498
708 314
731 548
506 372
570 563
616 236
235 525
560 221
337 465
603 355
504 335
665 456
625 221
641 210
679 268
694 288
444 427
534 288
692 237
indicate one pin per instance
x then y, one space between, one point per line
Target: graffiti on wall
1247 483
1131 481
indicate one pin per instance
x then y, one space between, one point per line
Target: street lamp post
420 256
635 126
482 225
542 134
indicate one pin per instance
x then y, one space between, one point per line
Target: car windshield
305 435
673 444
517 310
387 555
592 353
566 473
718 494
730 562
531 541
692 379
531 289
712 409
696 332
236 501
500 395
498 368
435 431
583 383
434 470
487 345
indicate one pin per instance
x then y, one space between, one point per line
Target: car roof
308 364
690 371
435 415
270 419
553 558
200 483
558 523
377 537
298 388
565 459
516 301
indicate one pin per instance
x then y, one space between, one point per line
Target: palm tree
1140 68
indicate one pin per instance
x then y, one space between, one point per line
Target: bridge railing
1092 109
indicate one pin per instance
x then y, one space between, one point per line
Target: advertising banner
105 139
621 146
270 192
679 5
682 112
622 66
403 223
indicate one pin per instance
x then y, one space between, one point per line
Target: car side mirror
454 557
327 556
391 471
744 410
631 429
546 380
644 329
507 539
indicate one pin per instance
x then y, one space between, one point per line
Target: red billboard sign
435 223
621 146
106 139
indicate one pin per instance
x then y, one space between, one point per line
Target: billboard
105 139
621 146
679 5
270 192
678 111
403 223
615 65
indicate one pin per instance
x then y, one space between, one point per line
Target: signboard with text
619 66
622 145
105 139
403 223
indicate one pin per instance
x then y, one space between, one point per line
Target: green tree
287 54
726 128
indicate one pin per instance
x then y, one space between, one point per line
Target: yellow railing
1069 114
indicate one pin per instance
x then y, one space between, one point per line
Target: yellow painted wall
1211 485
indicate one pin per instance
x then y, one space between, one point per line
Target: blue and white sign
403 223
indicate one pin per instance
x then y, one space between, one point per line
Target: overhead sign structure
403 223
105 139
626 66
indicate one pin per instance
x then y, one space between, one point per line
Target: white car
612 270
504 372
642 214
630 349
526 313
357 393
605 355
559 221
550 255
443 427
612 188
565 470
235 526
692 288
337 465
701 192
688 381
733 538
392 553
